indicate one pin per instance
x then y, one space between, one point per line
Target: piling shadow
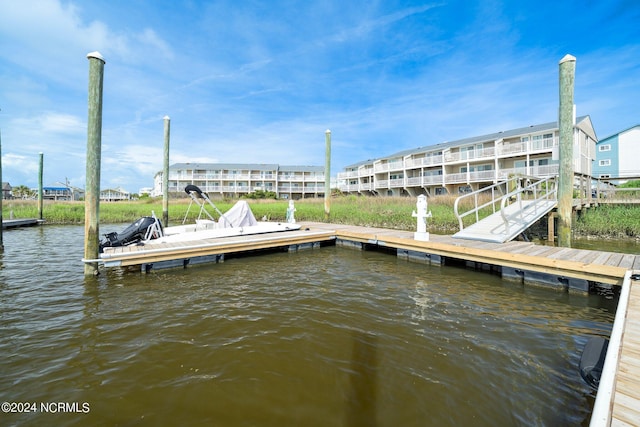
361 398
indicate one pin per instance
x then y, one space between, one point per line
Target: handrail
475 194
535 187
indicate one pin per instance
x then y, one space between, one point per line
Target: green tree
22 192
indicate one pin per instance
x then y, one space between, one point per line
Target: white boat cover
239 215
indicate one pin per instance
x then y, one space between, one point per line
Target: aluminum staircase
518 209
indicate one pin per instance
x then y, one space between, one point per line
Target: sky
248 81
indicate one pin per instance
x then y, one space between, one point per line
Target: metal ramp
518 209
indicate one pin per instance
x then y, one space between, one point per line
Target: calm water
328 337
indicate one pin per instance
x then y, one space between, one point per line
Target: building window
606 162
605 147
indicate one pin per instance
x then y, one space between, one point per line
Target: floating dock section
563 268
15 223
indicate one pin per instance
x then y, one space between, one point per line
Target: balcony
513 148
424 161
396 183
384 167
459 156
382 183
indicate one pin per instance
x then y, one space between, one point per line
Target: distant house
617 155
56 193
6 190
145 190
114 195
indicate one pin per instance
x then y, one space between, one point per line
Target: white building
472 163
238 179
114 195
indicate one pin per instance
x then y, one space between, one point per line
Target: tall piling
165 173
566 173
94 141
40 187
327 174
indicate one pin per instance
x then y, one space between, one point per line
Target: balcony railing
423 161
470 154
383 167
396 183
382 183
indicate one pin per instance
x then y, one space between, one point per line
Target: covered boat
239 220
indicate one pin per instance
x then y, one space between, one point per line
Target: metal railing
541 190
499 195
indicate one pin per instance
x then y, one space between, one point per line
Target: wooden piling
565 125
165 173
94 141
40 187
1 196
327 175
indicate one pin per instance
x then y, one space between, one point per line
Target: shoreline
604 223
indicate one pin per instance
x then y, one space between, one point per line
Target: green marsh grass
385 212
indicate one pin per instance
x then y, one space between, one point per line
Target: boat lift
196 194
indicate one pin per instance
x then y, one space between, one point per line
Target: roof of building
302 168
618 133
226 166
270 167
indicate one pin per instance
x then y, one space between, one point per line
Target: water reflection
361 400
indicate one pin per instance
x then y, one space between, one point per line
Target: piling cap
327 131
568 58
96 55
166 118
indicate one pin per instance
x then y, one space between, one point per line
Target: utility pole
565 126
94 148
165 173
327 174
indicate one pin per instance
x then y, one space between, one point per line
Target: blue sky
261 81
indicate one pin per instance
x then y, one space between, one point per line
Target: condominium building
238 179
469 164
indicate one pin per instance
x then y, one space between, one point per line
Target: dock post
94 141
1 196
40 189
327 174
421 216
565 126
165 173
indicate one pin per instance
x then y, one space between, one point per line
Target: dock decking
626 398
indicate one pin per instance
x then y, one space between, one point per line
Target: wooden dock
15 223
618 400
525 260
